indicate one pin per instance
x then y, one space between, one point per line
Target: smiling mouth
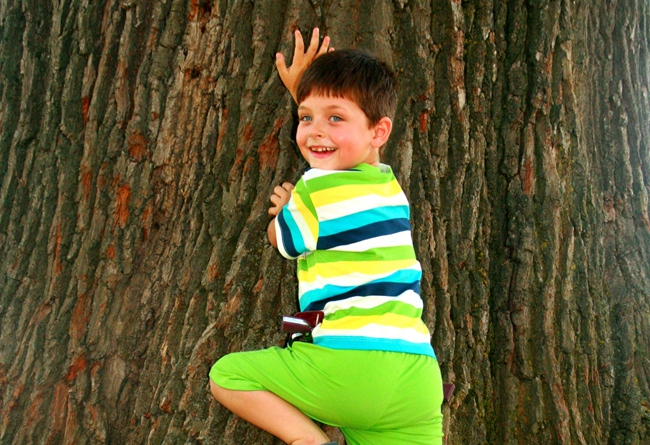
322 149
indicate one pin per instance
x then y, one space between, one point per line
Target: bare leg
271 413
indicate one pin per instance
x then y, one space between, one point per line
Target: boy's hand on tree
301 60
280 197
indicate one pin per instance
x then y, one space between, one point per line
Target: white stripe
375 331
308 239
359 204
317 172
391 240
314 173
371 301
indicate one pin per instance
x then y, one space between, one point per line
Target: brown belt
299 326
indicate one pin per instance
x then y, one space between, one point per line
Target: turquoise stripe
374 344
329 290
361 219
296 235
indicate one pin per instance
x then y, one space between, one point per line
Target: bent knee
216 390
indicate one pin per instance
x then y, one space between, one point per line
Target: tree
140 141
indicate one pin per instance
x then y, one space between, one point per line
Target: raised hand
280 197
301 60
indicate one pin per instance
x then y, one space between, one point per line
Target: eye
336 119
304 118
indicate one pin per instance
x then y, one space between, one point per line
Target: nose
316 129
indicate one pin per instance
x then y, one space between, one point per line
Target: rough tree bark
140 141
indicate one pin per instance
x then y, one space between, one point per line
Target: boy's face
334 134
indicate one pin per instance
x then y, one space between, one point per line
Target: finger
313 45
331 49
300 45
281 193
324 46
288 186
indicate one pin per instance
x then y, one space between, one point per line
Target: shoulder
315 180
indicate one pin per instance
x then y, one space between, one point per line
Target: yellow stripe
345 192
342 268
307 216
393 320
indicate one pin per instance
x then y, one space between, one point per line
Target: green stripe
376 254
305 196
394 307
347 178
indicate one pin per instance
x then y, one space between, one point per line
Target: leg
271 413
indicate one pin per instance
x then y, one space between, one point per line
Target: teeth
322 149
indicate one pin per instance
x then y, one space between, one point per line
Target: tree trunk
139 144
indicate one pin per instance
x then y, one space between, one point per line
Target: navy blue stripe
379 228
384 289
285 233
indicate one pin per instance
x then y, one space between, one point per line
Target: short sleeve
296 226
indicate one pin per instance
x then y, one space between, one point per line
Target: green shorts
374 397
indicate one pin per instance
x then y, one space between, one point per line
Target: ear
382 131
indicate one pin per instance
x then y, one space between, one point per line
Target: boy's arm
270 231
301 60
280 197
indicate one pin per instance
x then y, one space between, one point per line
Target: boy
371 370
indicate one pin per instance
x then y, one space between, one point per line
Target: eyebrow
328 108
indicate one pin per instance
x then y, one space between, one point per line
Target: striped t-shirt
351 235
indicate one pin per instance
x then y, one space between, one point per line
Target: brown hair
355 75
